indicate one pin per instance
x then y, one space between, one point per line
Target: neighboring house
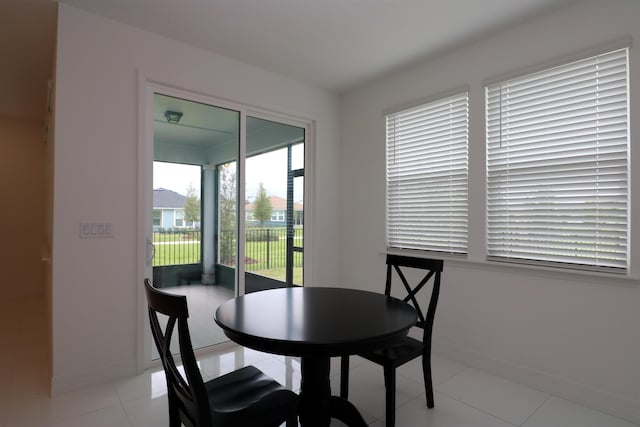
168 210
278 213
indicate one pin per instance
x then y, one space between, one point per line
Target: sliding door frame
146 89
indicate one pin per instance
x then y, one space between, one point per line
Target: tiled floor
202 302
464 396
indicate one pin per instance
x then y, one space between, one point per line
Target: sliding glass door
189 207
206 159
274 207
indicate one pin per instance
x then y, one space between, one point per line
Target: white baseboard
66 383
619 406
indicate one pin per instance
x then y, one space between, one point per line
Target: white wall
572 335
94 280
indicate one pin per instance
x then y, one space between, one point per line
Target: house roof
163 198
278 204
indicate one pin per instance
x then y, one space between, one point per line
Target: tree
262 206
227 212
192 205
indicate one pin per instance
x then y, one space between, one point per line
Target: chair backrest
186 393
433 270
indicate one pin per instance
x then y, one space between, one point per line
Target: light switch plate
94 230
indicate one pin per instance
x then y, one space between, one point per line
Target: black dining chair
407 348
245 397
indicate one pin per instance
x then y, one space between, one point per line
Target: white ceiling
334 44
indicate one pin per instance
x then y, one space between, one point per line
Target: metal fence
265 248
176 247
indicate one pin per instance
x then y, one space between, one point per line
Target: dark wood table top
314 321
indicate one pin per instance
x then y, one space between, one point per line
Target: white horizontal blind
427 174
557 165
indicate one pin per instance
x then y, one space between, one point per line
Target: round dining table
316 323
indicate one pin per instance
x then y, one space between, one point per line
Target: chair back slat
189 393
415 262
411 294
433 269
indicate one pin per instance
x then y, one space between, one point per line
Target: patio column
208 225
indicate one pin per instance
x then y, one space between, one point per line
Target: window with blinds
558 165
427 174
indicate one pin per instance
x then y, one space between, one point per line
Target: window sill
462 262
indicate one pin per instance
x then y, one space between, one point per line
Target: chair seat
399 353
248 397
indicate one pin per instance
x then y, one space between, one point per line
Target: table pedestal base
317 406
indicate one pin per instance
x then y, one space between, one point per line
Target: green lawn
176 253
264 258
279 274
179 236
269 255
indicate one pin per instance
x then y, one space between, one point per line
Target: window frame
159 218
277 216
566 61
178 216
430 248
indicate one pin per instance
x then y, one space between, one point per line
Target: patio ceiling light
173 116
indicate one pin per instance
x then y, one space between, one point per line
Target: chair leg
390 404
292 420
174 416
428 382
344 377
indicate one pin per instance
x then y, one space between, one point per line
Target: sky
269 168
176 177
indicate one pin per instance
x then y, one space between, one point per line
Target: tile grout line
478 409
536 410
